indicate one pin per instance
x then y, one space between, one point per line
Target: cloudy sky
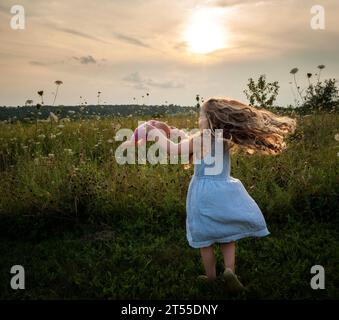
171 49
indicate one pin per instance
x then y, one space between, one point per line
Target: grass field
85 227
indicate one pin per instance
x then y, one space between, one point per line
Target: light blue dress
218 207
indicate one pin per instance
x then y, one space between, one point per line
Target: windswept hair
244 126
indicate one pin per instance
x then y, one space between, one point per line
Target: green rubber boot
232 281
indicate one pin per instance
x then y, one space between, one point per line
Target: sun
205 32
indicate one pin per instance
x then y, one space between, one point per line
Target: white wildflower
69 151
53 117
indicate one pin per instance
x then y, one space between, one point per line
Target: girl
218 207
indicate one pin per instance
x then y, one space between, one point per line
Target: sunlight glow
205 32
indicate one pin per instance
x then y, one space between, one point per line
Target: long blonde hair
244 126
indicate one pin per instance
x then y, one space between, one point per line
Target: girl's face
203 123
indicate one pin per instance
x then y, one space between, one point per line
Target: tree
322 96
261 94
58 84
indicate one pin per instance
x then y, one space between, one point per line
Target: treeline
32 113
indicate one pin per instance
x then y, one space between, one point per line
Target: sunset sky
171 49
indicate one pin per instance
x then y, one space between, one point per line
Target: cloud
133 77
49 63
143 84
37 63
131 40
165 84
229 3
78 33
119 36
86 59
82 59
180 45
4 9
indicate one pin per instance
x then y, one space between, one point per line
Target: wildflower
51 155
118 126
69 151
53 117
41 136
53 136
110 141
58 83
61 126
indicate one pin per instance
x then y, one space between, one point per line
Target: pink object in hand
140 132
140 136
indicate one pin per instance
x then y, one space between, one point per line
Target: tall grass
70 170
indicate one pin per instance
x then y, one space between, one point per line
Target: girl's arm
184 147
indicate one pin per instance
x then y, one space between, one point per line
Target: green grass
85 227
124 262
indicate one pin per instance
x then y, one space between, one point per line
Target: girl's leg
208 259
228 251
232 281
